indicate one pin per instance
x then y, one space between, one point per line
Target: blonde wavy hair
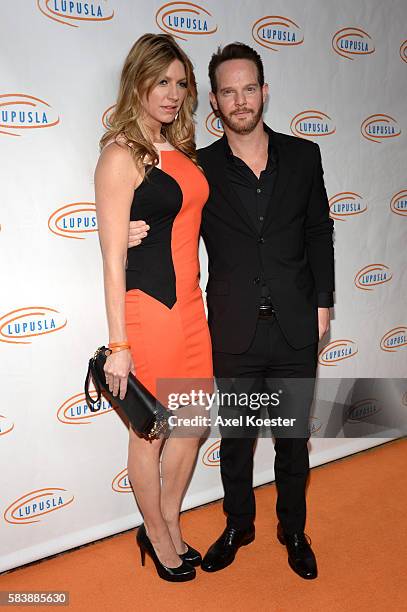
145 64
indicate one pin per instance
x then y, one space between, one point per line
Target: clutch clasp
159 427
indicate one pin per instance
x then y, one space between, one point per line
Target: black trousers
268 357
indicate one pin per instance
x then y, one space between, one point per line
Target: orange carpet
357 520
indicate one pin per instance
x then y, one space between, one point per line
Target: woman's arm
116 177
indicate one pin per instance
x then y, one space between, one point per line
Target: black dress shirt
255 195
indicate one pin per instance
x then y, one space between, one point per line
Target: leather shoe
300 555
223 551
191 556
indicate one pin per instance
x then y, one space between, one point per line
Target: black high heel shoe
182 573
191 556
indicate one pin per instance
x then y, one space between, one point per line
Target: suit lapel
218 175
285 173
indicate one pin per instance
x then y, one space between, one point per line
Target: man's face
239 98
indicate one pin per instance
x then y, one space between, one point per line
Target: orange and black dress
164 312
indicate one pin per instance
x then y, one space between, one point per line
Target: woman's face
166 98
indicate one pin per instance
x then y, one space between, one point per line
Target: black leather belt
266 312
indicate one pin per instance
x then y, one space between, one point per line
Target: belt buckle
266 312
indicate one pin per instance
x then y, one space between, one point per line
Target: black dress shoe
223 551
300 556
191 556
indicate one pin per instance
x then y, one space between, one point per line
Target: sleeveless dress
164 312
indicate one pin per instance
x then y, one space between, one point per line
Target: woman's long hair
145 64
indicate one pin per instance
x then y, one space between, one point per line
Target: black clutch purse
146 414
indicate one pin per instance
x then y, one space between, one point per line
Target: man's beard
238 127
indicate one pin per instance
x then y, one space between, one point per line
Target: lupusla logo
211 457
105 116
335 351
121 482
183 19
21 325
274 31
5 425
362 409
350 42
76 220
346 204
398 203
312 123
214 125
75 411
394 339
314 425
379 127
33 506
372 275
20 112
403 51
74 13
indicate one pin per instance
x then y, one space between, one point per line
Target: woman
156 318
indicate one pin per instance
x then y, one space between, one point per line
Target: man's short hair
234 50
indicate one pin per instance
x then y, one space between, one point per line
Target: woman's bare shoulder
115 145
116 158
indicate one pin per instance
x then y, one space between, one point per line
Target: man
268 235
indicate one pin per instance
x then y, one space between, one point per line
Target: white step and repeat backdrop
337 75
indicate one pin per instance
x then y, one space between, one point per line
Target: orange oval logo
5 425
75 411
336 351
18 325
403 51
75 220
394 339
75 13
274 31
23 112
121 482
379 127
33 506
312 123
362 409
346 204
350 42
184 19
211 457
214 125
398 203
372 275
314 426
105 116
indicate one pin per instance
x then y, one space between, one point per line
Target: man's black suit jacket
293 253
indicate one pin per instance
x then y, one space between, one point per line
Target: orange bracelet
117 349
116 344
